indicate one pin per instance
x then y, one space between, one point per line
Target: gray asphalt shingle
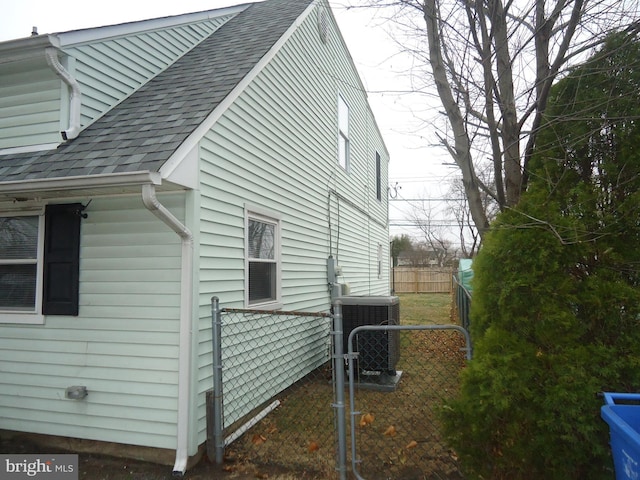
143 131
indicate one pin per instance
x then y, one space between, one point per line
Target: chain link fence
283 396
276 389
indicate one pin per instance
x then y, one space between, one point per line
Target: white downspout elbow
186 312
75 99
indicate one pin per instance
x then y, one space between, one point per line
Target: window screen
18 262
262 240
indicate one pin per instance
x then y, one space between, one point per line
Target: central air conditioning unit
378 350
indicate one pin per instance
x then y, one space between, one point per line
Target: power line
443 225
430 178
418 222
426 199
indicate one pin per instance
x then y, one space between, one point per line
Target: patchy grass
425 309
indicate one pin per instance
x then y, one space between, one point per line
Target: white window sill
21 318
265 306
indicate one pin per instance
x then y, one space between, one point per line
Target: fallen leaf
258 439
390 431
411 444
366 419
313 446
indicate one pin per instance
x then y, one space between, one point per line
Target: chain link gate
394 424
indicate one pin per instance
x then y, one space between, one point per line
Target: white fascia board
193 140
186 172
86 35
21 187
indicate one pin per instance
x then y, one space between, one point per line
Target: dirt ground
106 467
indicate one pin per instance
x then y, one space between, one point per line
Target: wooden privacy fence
421 280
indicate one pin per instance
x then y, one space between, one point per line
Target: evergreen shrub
556 303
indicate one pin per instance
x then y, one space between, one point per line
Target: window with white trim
39 264
343 133
262 272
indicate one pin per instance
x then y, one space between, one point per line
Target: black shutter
61 259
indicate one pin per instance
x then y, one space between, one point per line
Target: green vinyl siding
29 105
34 106
275 148
123 345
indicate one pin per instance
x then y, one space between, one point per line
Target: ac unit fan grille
378 350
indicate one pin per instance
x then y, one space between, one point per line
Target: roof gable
142 132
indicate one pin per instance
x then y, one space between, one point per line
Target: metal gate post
218 413
339 405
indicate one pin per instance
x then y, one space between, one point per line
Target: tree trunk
507 104
462 146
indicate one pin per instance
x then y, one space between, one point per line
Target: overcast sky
416 168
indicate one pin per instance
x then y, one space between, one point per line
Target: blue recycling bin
624 425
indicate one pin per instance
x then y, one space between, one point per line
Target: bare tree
492 63
438 245
469 236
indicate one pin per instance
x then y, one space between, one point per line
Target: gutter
75 99
78 182
186 312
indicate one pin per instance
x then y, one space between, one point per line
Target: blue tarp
463 291
465 273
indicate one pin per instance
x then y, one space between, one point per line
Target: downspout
75 99
186 311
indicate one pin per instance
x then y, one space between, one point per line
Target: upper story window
378 177
262 260
343 133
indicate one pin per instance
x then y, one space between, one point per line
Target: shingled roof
142 132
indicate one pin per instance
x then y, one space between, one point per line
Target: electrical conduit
186 312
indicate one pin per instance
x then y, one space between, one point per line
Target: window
39 264
378 177
19 253
343 133
262 260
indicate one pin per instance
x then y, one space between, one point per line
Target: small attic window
323 23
